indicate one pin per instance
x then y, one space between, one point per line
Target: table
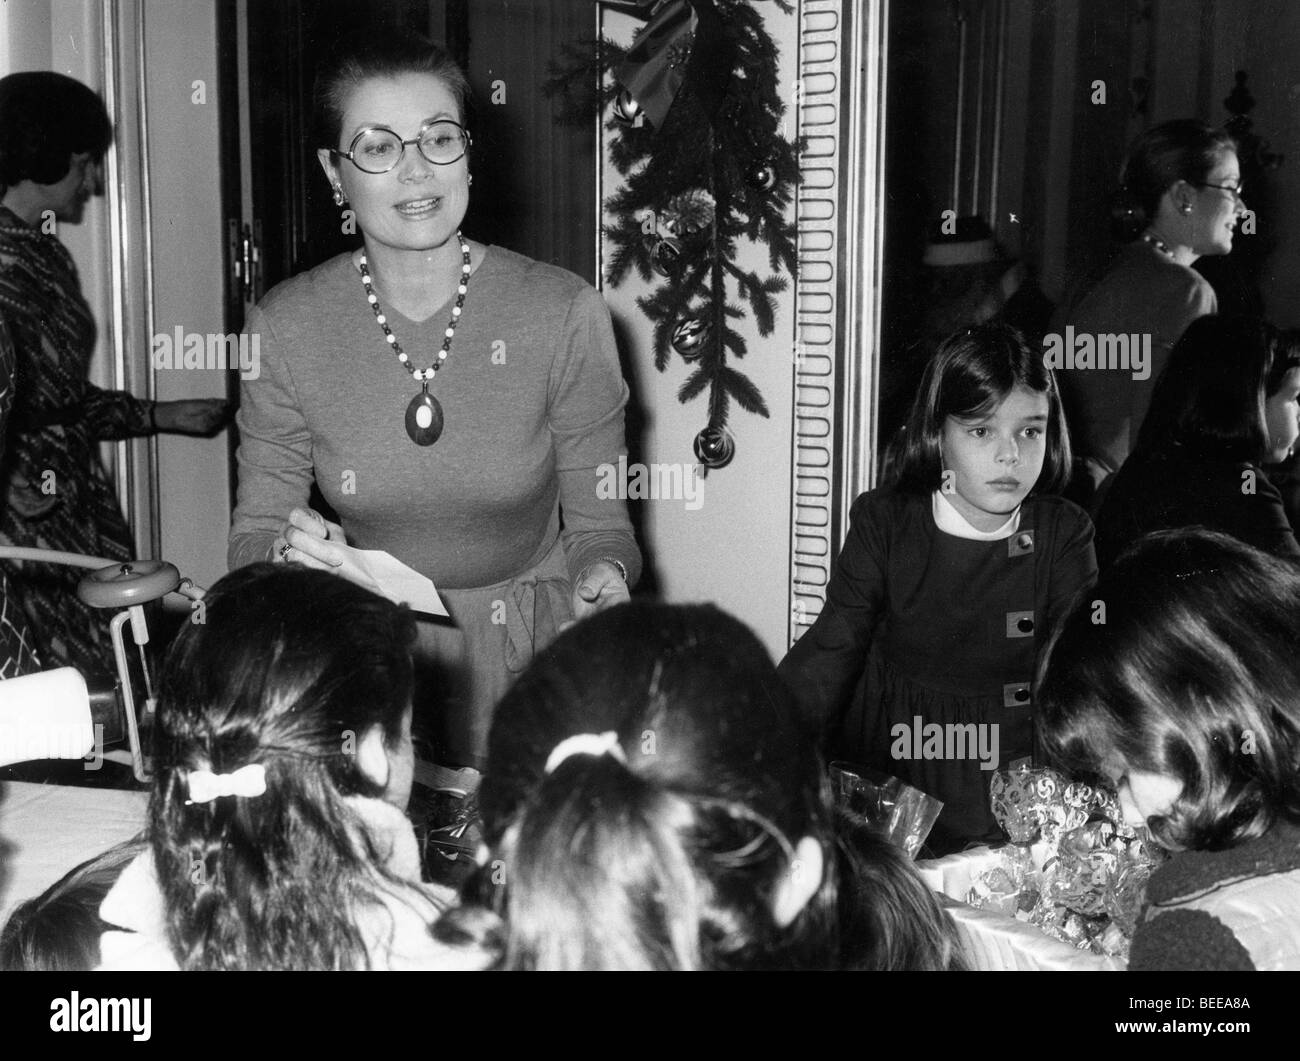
46 830
995 941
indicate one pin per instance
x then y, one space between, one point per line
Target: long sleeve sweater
533 398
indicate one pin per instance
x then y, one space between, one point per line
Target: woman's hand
313 541
201 417
601 586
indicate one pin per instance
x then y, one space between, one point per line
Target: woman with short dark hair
53 135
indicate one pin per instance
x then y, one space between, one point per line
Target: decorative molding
131 258
840 210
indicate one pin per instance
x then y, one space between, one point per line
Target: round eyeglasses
1237 191
378 149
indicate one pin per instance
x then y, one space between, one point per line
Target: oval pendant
424 419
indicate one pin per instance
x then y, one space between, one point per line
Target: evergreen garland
716 171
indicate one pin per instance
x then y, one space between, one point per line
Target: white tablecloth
46 830
995 941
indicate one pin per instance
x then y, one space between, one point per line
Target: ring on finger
284 551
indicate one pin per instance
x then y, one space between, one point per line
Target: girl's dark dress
921 624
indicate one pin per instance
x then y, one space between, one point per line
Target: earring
1186 208
339 197
469 180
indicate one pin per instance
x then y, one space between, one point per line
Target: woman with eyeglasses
1180 199
54 132
452 401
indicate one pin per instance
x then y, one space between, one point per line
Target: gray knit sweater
533 398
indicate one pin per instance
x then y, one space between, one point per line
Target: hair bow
596 744
205 786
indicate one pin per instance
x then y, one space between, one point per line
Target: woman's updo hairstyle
46 118
1182 150
375 55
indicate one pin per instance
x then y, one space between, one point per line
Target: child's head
986 426
1282 397
1210 399
306 678
59 930
678 848
1178 677
652 803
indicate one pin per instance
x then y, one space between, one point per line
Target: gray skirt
464 667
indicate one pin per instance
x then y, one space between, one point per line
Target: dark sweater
1232 909
1171 489
919 629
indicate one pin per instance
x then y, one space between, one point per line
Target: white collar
950 521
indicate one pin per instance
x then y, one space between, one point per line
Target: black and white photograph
661 485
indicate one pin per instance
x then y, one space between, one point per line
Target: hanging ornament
690 337
626 108
714 447
761 177
665 256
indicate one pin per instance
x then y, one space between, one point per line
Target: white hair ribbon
596 744
205 786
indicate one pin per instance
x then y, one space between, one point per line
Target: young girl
1186 696
651 803
1225 405
277 838
952 573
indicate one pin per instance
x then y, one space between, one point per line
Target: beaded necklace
1152 240
424 419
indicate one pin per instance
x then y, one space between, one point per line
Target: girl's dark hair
288 669
1182 662
46 118
672 859
1182 150
379 55
59 930
1286 358
1210 396
970 374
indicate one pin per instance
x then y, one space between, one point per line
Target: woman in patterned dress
53 134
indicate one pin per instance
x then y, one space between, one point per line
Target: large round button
1025 625
123 585
1020 696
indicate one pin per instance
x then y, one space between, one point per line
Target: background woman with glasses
452 401
1180 199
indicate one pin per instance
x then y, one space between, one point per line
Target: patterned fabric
17 650
58 495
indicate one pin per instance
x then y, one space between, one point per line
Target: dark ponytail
668 851
288 672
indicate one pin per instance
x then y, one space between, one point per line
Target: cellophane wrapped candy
1074 868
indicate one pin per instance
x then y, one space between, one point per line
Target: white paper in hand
399 583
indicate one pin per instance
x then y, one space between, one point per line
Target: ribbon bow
205 786
594 744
